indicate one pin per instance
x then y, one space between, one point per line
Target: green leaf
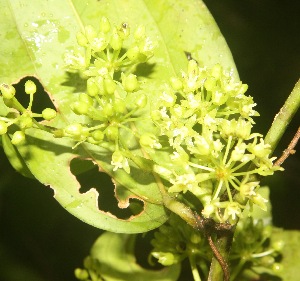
115 253
35 36
290 253
49 160
15 159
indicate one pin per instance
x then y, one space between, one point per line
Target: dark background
40 241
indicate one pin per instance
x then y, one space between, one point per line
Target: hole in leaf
89 176
41 98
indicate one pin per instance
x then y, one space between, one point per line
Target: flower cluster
174 241
253 247
109 58
207 120
203 120
109 50
22 118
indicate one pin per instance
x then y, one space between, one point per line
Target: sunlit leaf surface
36 34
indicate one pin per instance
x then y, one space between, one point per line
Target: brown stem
224 231
290 149
221 261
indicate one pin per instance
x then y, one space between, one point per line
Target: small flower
238 153
260 201
168 99
208 210
183 183
165 259
232 212
261 149
248 189
202 147
120 162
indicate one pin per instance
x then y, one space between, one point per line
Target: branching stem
224 233
290 149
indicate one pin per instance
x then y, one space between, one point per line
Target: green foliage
33 32
121 264
157 105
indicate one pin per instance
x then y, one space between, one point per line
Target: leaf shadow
74 80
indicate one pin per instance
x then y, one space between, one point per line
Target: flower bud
116 42
18 138
8 91
208 210
129 82
193 68
104 25
90 33
228 128
98 135
80 108
48 113
243 89
74 129
83 97
134 53
81 39
155 115
81 274
108 110
30 87
112 133
109 86
92 87
119 106
243 129
25 121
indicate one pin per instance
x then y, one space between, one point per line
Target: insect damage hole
89 176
